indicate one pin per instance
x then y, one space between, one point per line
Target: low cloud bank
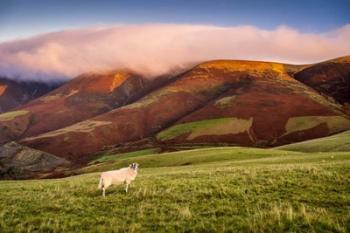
155 49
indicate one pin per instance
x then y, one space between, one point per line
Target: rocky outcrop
21 162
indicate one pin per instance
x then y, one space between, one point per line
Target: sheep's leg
103 192
126 187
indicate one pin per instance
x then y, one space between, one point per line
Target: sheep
118 177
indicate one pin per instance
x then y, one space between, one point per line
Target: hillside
84 97
334 143
14 93
331 78
235 102
272 109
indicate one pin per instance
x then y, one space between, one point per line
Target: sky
20 18
50 39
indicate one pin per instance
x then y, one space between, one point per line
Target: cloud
154 49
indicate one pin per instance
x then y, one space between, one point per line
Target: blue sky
20 18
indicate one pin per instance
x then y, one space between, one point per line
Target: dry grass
11 115
334 123
219 126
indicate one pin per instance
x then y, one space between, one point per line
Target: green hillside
202 190
337 142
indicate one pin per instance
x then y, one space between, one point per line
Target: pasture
227 189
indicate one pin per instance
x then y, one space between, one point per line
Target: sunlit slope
272 108
85 96
187 93
237 102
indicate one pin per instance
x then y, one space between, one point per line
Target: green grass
337 142
204 127
202 190
113 157
187 157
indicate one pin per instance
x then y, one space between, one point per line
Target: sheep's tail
100 185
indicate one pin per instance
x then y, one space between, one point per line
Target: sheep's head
134 166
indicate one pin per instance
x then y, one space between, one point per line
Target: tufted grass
242 190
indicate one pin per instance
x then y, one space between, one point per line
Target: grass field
201 190
337 142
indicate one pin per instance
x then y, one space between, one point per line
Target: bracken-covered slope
142 118
237 102
272 109
85 96
16 93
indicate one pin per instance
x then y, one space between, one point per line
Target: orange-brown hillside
272 109
84 97
237 102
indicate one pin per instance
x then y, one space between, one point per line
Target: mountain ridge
196 88
218 101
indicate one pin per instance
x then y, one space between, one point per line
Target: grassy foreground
203 190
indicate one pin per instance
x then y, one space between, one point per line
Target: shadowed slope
15 93
331 78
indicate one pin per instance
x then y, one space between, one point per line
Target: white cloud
156 48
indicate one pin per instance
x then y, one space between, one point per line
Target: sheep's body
118 177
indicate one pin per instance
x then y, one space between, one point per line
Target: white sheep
118 177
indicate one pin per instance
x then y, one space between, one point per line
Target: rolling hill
235 102
334 143
272 109
84 97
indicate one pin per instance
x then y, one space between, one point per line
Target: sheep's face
134 166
